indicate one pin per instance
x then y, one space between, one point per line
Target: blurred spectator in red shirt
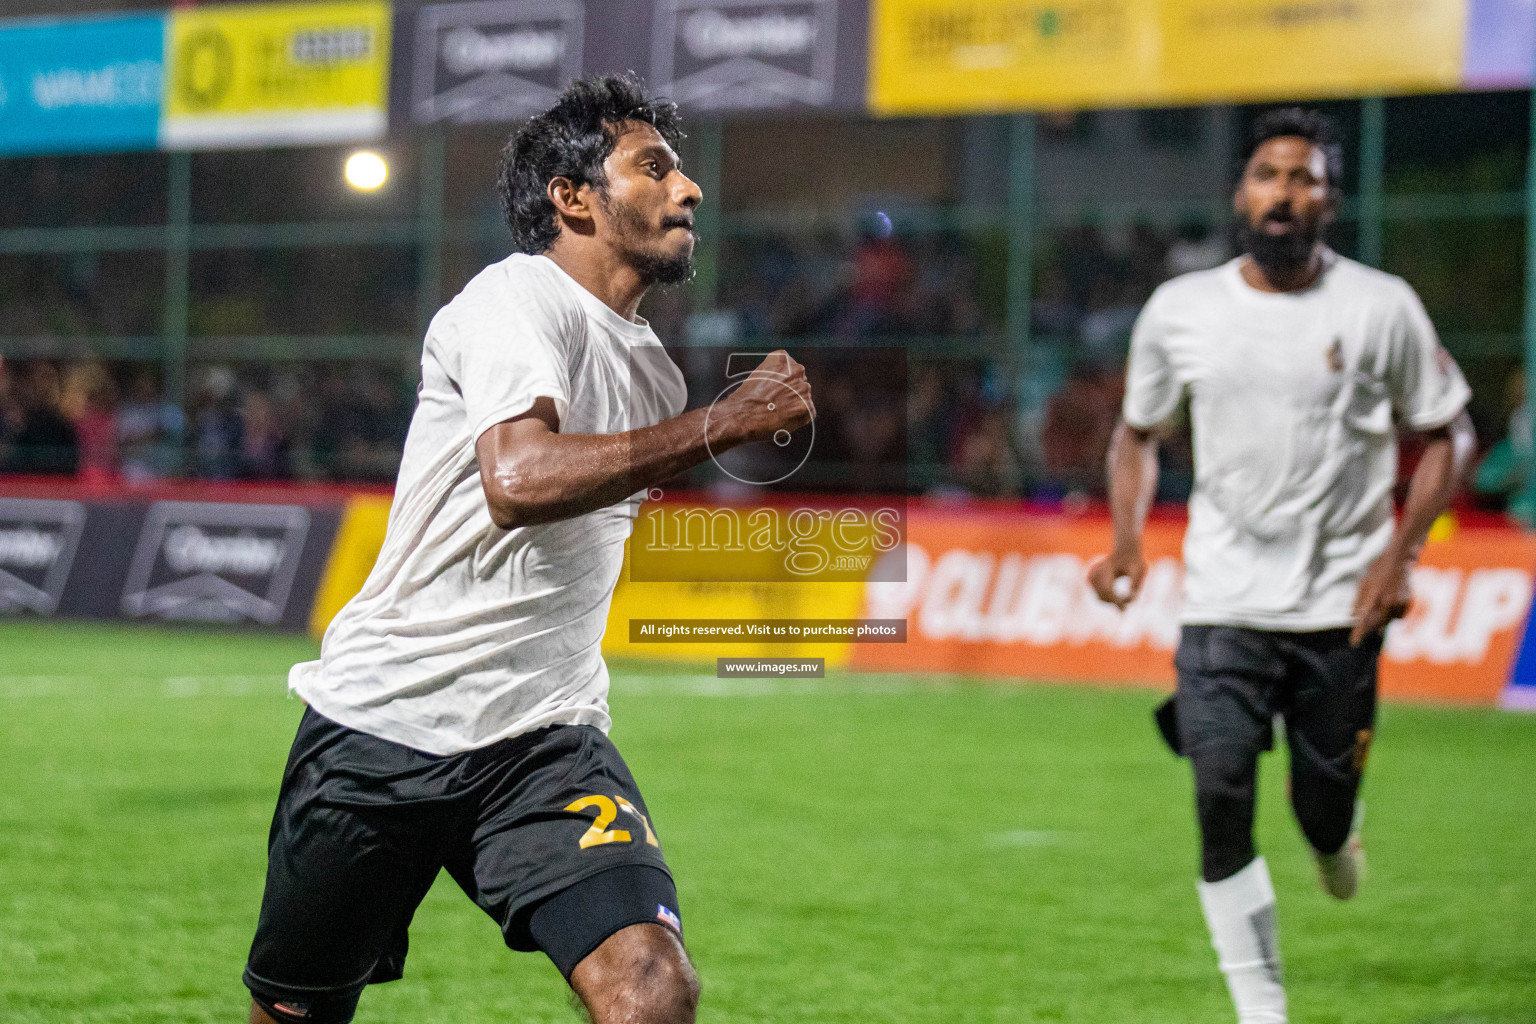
90 402
882 275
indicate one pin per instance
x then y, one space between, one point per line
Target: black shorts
1233 681
363 826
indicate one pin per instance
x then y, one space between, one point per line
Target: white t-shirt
464 633
1293 400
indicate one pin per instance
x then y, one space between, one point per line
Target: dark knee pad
1325 809
1225 784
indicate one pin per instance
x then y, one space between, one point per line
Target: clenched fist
775 397
1117 577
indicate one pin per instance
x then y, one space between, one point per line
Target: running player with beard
1298 368
458 714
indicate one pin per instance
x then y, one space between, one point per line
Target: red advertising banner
1005 594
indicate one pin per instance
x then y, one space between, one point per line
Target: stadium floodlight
366 170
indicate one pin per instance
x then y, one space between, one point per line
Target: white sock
1241 914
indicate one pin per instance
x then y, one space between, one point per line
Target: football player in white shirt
458 713
1298 368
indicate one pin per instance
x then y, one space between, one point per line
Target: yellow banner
932 56
268 74
361 535
358 541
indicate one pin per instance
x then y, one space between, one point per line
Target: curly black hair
1313 125
571 140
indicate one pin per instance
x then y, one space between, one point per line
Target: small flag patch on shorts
293 1009
668 916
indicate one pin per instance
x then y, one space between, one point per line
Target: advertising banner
216 562
1006 595
995 595
38 541
246 559
267 74
494 60
745 54
501 60
81 85
980 592
977 55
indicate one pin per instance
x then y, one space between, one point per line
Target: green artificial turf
864 849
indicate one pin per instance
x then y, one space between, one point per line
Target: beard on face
653 265
1282 254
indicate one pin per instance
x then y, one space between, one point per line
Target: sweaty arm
1384 594
534 474
1132 486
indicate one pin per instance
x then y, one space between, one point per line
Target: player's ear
571 201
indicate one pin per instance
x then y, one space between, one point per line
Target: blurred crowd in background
977 422
108 421
856 234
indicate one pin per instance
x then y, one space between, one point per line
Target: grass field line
1025 837
20 686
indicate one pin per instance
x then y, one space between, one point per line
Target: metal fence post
178 233
429 229
1021 237
1373 159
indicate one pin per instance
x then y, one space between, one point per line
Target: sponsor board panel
265 74
974 55
90 84
90 555
1008 596
212 562
106 547
39 539
493 60
746 54
1471 598
1255 49
500 60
